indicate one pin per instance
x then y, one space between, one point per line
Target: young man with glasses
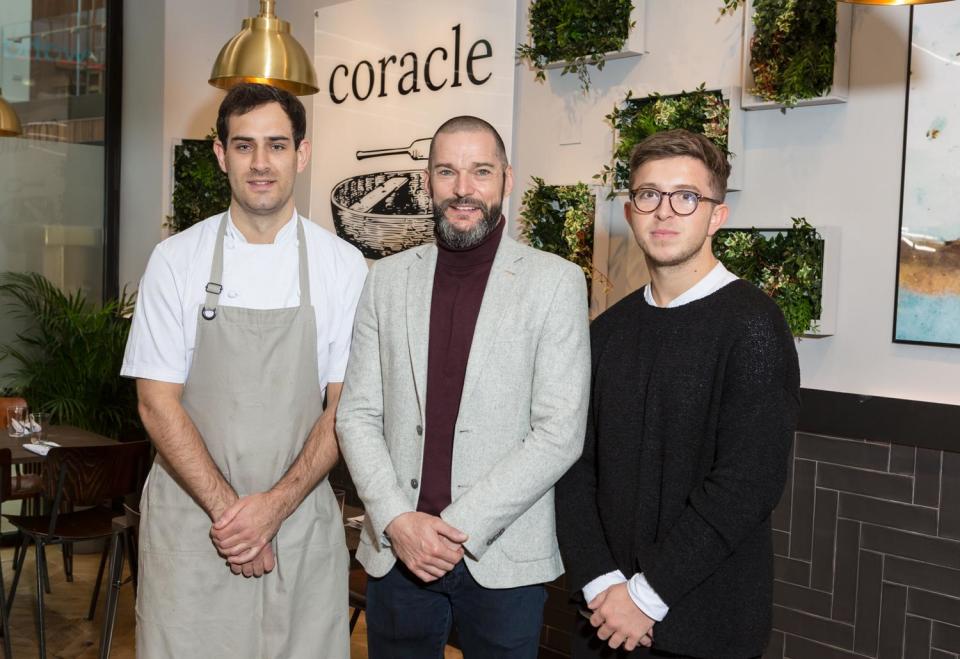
664 521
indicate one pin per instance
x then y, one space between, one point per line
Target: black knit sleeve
583 546
757 419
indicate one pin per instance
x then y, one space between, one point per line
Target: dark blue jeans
410 619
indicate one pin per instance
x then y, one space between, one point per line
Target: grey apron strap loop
214 286
304 269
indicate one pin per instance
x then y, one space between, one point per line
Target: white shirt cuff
646 598
601 583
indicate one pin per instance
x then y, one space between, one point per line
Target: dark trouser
410 619
586 645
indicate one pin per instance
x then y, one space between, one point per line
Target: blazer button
419 430
414 484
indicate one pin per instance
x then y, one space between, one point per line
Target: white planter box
735 142
636 43
841 63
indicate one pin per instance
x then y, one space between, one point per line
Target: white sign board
389 74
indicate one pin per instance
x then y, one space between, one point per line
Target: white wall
169 50
837 165
141 138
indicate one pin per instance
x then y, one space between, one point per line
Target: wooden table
63 435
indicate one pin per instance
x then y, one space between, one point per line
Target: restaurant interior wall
169 49
837 165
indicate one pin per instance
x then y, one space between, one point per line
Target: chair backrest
92 474
6 402
6 461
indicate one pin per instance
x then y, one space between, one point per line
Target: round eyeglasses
683 202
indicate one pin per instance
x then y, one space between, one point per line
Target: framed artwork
927 303
390 73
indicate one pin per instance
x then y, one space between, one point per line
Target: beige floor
69 634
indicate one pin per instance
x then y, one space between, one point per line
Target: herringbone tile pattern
867 545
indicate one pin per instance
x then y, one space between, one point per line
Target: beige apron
254 395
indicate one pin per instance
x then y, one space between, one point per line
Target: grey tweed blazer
522 414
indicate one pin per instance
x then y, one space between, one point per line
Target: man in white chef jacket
242 328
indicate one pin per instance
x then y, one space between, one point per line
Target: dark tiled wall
867 554
867 545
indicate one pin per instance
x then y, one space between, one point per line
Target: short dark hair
468 123
248 96
679 143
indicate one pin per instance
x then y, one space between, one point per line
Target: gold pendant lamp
264 51
892 3
9 121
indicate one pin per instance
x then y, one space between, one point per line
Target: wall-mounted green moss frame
796 53
789 265
711 112
560 219
200 188
572 35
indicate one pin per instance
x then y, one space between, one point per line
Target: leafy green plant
730 6
559 219
792 49
700 111
787 266
200 188
576 33
69 355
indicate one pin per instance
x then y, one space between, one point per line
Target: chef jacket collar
287 233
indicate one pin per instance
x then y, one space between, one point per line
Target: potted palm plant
66 360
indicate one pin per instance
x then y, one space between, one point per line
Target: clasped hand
426 544
243 532
619 621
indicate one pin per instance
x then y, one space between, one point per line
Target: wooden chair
124 540
78 477
25 484
357 594
5 471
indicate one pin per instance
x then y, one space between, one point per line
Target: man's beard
473 236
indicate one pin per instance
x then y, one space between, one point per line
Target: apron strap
304 270
214 286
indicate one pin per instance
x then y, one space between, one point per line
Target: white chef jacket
255 276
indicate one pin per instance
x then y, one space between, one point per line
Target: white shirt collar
287 232
716 279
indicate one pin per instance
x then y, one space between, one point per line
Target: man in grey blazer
464 402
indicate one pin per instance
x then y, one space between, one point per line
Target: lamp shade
9 121
264 51
892 3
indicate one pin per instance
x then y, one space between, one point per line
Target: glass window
52 188
53 73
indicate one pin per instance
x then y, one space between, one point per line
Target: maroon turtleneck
458 285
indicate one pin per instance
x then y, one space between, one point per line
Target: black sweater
692 415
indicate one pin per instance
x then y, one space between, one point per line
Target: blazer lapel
498 298
418 297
